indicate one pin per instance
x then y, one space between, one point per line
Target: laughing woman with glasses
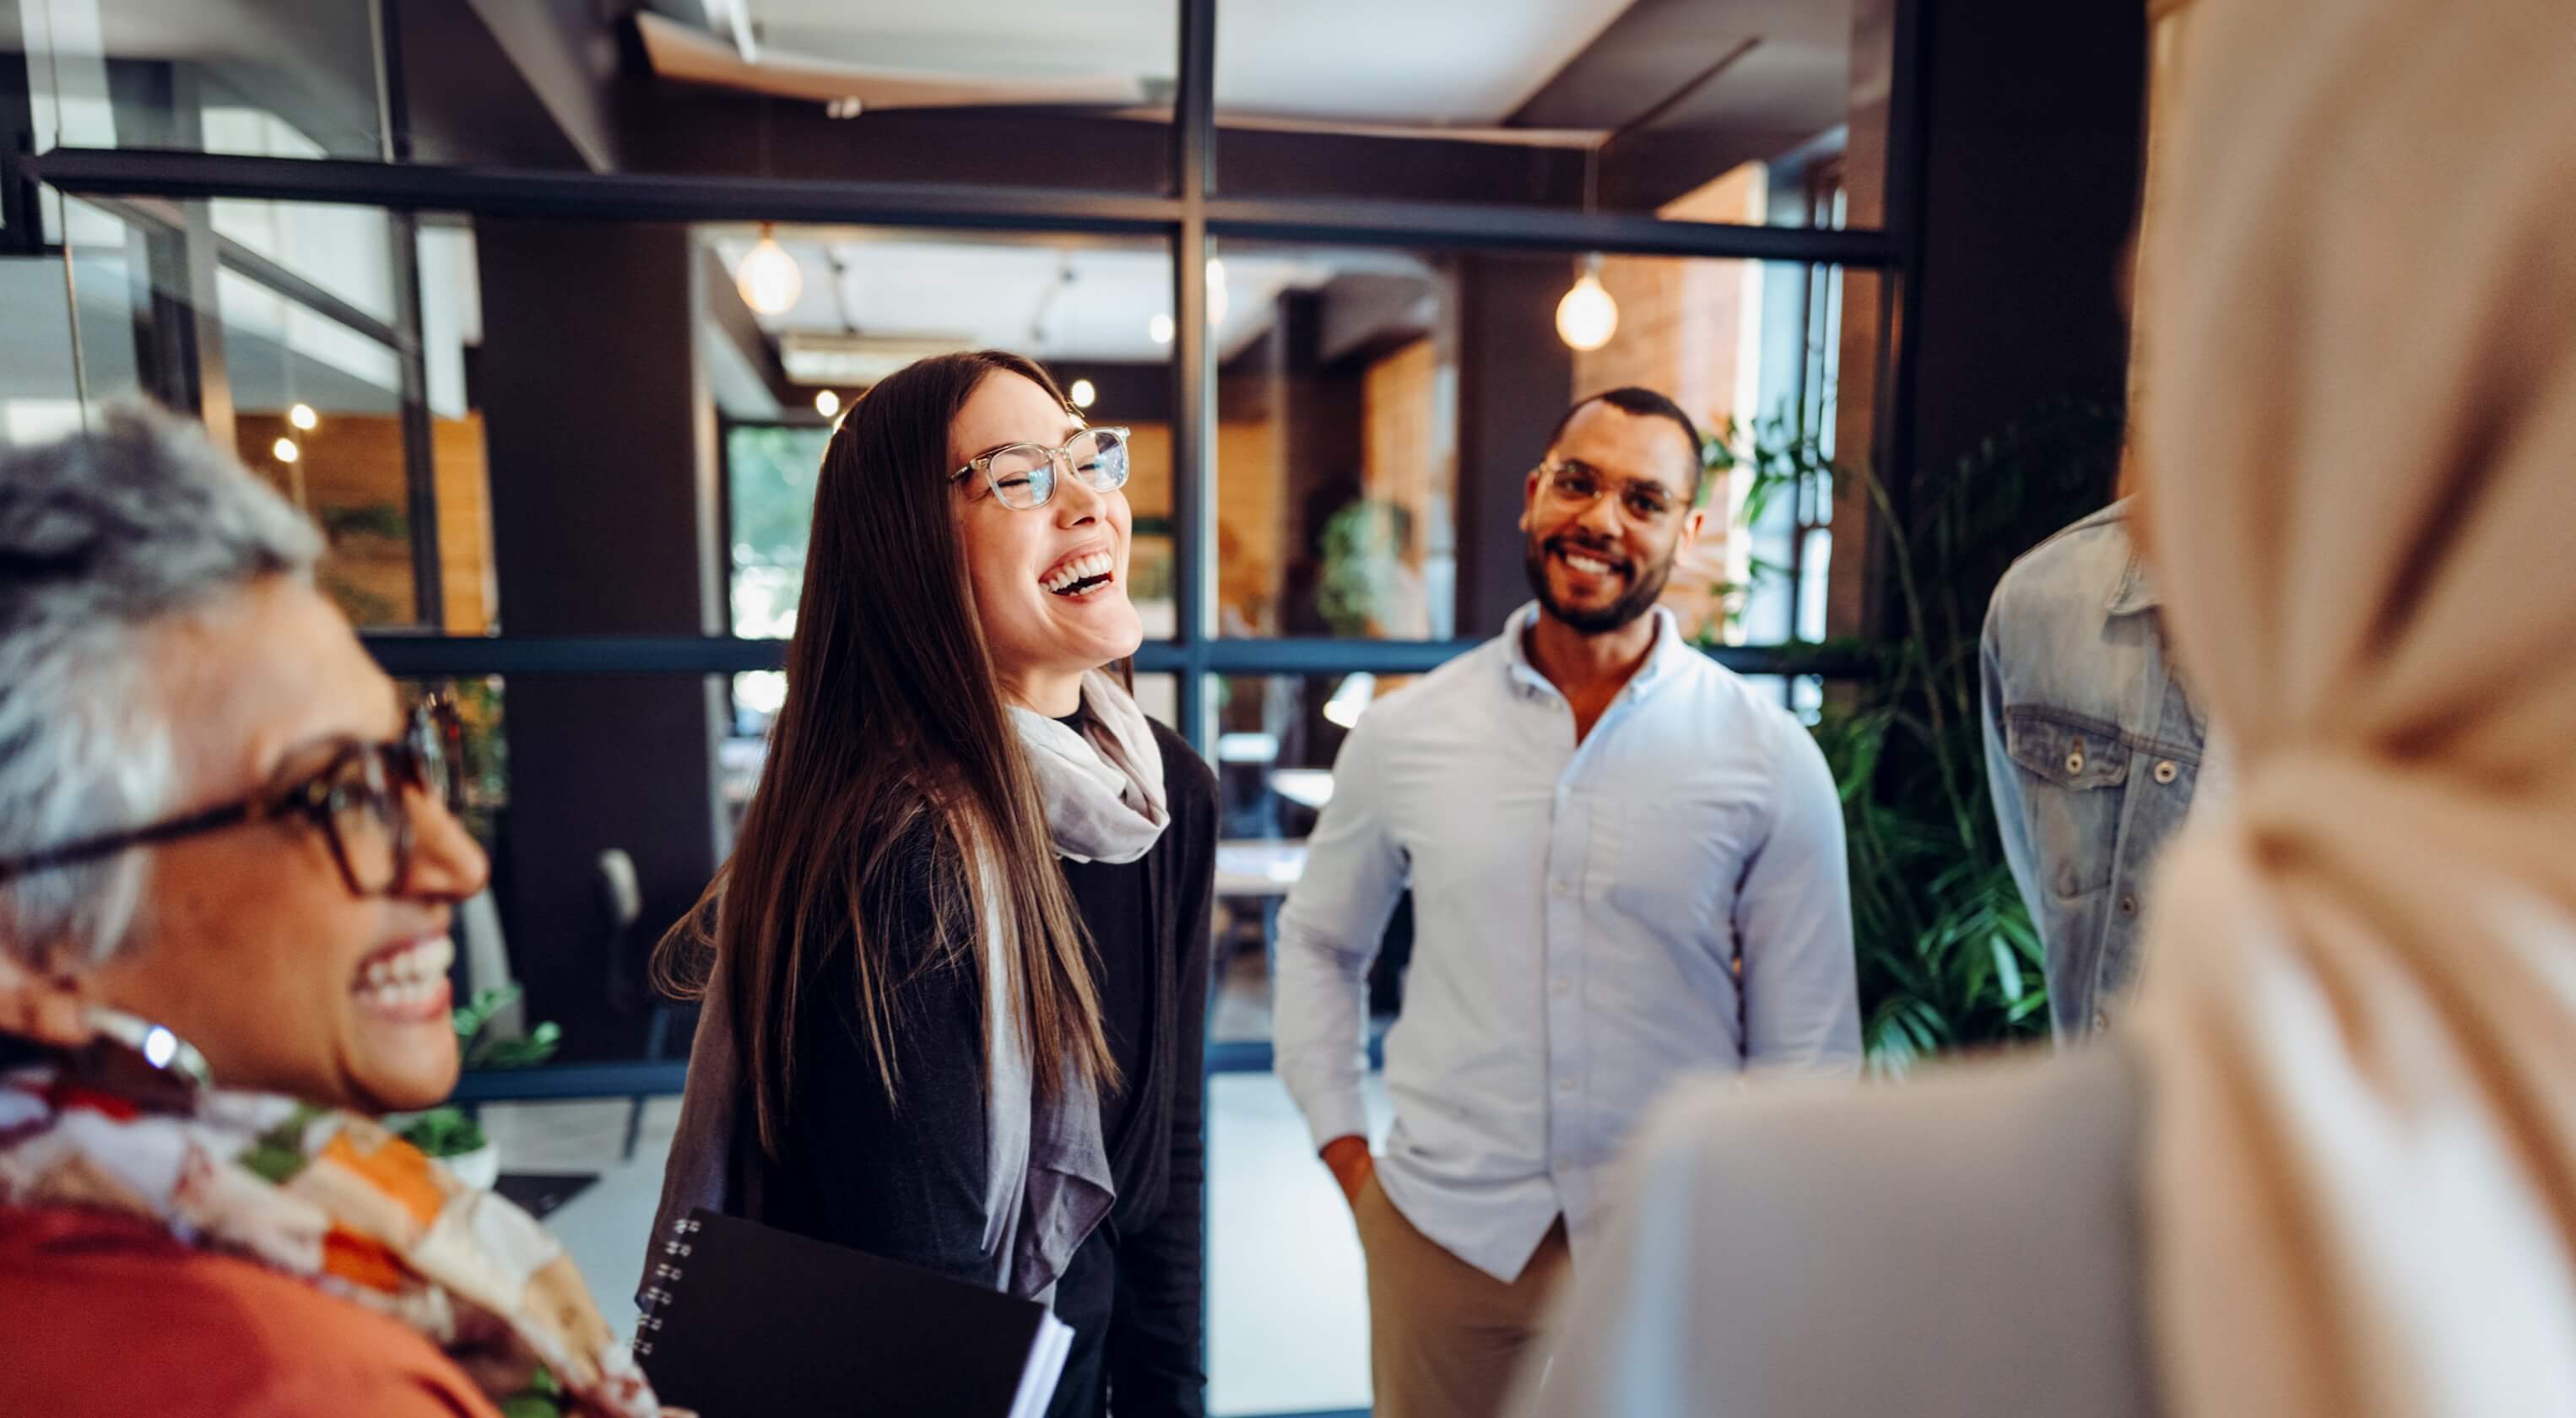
955 974
227 867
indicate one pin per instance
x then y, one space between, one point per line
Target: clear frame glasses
1576 485
1023 475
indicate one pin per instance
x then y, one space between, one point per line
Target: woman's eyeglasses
357 799
1023 475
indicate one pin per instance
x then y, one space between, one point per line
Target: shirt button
2167 771
2075 758
2128 905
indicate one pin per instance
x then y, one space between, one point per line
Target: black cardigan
908 1183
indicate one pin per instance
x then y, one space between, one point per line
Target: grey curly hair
104 534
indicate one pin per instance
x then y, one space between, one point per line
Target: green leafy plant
473 1022
449 1131
365 519
1362 546
1948 957
445 1132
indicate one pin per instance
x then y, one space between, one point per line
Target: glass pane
1379 412
1698 110
590 860
262 78
1281 1254
1277 736
866 302
987 92
39 396
276 324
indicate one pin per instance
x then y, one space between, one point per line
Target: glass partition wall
556 395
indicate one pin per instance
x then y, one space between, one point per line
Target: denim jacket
2092 749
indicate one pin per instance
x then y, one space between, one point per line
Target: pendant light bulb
1587 317
303 417
827 402
286 450
769 279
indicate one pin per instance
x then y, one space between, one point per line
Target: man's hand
1352 1165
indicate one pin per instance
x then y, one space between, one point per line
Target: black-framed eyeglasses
357 799
1023 475
1577 485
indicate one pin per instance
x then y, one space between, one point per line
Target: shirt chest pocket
2074 775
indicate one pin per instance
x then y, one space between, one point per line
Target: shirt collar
1668 652
2136 591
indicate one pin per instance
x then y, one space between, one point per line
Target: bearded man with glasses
1627 865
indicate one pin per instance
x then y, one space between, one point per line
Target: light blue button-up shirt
1591 922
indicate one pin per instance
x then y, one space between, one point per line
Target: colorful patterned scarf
339 1202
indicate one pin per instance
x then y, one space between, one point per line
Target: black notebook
744 1321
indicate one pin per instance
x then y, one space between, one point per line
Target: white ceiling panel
1063 301
1464 62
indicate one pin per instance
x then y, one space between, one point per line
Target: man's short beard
1643 592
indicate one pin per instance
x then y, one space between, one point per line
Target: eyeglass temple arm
94 848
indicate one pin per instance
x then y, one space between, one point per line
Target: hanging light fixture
303 417
827 402
1216 296
1587 317
1159 329
769 278
1083 393
286 450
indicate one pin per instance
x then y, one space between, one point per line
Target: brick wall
350 474
1681 332
1247 512
1409 458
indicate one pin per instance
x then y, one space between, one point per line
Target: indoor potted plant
450 1133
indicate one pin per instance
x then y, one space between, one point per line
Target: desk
1257 871
1259 866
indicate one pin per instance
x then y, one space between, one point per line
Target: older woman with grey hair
226 877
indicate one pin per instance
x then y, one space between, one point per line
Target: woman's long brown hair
894 722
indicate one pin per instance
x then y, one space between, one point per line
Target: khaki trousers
1446 1340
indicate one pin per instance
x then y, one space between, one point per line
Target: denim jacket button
2167 771
2128 905
2075 761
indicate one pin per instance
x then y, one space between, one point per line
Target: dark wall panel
1513 378
604 522
2032 139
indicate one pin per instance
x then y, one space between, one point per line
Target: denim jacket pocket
2081 768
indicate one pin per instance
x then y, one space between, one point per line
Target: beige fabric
2360 1031
1446 1339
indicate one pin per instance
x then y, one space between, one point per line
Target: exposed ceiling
1059 299
1469 64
